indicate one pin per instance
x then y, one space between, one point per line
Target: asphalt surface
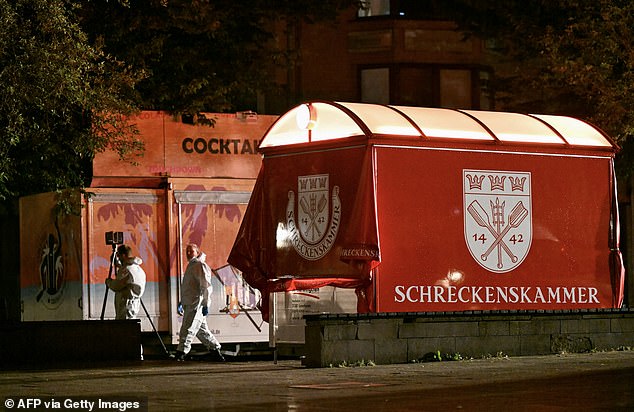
594 381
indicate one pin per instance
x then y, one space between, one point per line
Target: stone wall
387 338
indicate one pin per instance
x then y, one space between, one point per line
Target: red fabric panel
429 260
310 221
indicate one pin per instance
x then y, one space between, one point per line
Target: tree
62 100
571 57
200 55
66 86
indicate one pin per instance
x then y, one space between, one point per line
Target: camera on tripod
114 238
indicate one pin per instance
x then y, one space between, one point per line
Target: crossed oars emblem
515 218
312 211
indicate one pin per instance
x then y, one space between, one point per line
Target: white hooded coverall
195 293
128 286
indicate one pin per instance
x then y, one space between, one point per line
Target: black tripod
153 327
105 299
105 296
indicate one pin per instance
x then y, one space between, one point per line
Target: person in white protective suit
128 285
195 297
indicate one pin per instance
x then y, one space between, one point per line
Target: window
426 85
455 88
371 8
375 85
407 9
415 87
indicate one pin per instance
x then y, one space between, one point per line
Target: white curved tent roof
320 121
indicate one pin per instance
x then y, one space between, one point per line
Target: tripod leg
153 327
105 296
250 318
103 308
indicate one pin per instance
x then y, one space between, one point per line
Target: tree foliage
62 100
70 70
571 57
200 55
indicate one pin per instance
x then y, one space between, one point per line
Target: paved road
595 381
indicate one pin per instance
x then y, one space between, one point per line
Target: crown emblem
517 183
497 182
313 183
475 181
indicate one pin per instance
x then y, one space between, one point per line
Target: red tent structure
428 209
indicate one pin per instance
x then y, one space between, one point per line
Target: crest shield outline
314 225
497 213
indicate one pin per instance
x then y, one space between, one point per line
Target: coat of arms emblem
497 217
315 229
